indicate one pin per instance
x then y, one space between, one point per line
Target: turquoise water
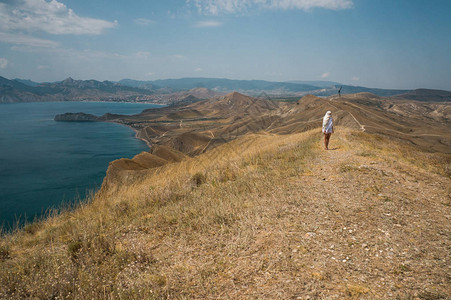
44 163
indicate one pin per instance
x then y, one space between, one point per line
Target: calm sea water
44 163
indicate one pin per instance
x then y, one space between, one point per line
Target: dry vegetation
262 217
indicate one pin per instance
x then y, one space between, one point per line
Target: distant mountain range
227 85
277 89
67 90
27 82
169 91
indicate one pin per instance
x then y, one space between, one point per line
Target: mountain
227 85
27 82
171 91
15 91
350 89
139 84
68 90
256 87
14 84
427 95
221 85
318 83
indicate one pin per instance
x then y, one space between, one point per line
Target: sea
46 165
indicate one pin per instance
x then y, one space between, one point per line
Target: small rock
309 234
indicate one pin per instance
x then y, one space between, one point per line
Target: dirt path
376 228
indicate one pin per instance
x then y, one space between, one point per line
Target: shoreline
89 101
142 139
149 145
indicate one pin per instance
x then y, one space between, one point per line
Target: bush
4 253
74 249
198 179
31 228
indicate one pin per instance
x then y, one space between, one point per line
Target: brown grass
244 220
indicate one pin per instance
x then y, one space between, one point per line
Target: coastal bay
45 164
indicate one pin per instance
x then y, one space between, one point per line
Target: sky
403 44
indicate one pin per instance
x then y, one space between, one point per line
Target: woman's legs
326 140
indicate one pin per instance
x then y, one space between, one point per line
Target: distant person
339 92
328 128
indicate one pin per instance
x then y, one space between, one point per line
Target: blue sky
375 43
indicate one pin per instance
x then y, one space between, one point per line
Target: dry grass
396 151
244 220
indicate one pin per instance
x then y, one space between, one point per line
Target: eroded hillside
263 216
196 128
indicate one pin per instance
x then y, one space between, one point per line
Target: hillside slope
263 216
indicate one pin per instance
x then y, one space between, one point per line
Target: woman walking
328 128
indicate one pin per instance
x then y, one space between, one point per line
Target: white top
328 126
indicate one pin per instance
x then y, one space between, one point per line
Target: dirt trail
375 228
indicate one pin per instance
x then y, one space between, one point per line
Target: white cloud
215 7
52 17
144 21
325 75
42 67
150 74
19 39
171 14
310 4
3 63
208 24
143 54
178 56
198 70
355 78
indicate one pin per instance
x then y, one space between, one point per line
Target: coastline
149 145
87 101
46 187
139 138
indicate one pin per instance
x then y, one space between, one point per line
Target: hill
227 85
427 95
351 89
318 83
221 119
256 87
238 199
27 82
264 216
